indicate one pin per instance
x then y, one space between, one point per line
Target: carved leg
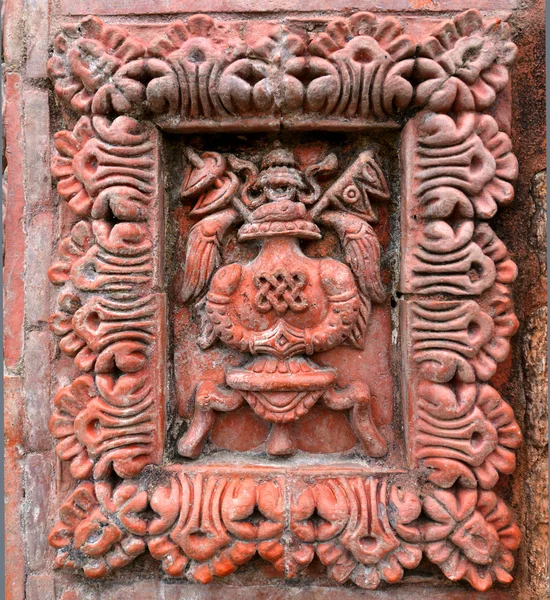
281 440
209 397
357 397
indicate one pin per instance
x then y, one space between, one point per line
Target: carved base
202 523
279 390
280 405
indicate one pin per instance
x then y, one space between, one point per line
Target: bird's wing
357 337
362 252
203 252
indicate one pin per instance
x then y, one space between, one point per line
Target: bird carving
223 199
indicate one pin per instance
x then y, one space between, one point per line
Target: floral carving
114 416
86 537
107 419
68 144
187 74
459 170
463 64
71 248
208 71
86 57
459 339
462 162
69 403
468 534
467 433
372 60
352 535
462 170
200 526
204 526
106 167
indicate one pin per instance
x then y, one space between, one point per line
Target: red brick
14 238
15 566
37 390
13 23
37 21
40 587
37 154
38 484
38 260
144 589
13 411
69 590
128 7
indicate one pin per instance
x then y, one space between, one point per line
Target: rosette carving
469 534
86 57
464 63
87 538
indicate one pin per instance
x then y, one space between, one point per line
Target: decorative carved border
111 317
457 314
204 74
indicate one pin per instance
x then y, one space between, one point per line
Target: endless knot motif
280 291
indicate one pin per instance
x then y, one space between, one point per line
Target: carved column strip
112 308
457 313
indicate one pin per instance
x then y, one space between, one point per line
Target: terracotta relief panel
284 299
297 297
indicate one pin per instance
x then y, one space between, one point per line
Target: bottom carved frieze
205 523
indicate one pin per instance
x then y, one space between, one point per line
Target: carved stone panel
281 302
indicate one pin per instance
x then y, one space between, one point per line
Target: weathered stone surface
40 586
37 480
287 357
535 371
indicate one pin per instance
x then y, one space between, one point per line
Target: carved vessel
283 305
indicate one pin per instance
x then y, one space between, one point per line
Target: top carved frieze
356 71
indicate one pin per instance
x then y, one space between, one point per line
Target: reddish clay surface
283 301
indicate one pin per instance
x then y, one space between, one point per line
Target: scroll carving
110 315
275 316
201 72
200 526
459 170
